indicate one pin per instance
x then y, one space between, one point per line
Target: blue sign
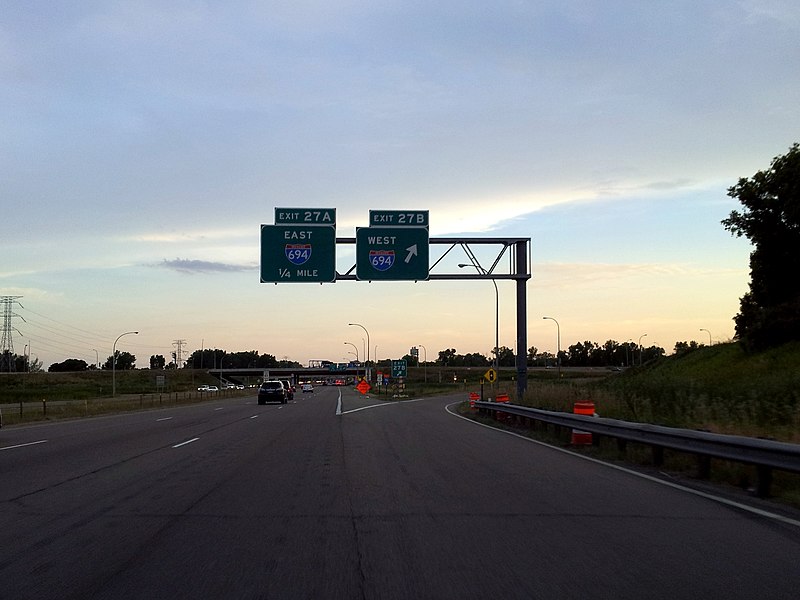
298 253
382 260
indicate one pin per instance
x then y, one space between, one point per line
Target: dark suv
272 391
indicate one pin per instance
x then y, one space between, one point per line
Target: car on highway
306 388
272 390
290 389
204 388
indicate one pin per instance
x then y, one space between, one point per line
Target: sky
143 144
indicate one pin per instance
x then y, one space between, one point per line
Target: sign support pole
522 319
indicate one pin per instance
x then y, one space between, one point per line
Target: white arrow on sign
412 251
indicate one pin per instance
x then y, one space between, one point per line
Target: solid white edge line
23 445
339 404
707 496
186 442
347 412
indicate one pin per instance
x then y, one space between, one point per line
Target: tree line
581 354
199 359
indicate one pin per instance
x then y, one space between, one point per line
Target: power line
84 331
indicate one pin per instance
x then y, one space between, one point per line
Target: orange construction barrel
582 438
498 415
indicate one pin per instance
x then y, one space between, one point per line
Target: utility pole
178 344
7 343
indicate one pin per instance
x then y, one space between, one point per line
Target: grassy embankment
44 396
719 389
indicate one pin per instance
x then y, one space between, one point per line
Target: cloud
784 13
594 275
184 265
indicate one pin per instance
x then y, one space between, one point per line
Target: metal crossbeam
499 268
512 262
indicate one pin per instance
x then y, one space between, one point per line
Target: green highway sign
305 216
398 218
298 253
392 253
399 368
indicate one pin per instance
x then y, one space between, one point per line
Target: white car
307 387
204 388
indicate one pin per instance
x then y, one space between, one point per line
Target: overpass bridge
293 374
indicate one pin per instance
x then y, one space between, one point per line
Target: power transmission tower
178 344
7 343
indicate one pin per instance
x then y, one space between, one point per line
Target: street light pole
558 333
482 271
424 363
356 354
355 348
114 362
641 350
709 335
366 363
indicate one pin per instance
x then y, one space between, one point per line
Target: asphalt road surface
229 499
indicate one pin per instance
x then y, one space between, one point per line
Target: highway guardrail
765 455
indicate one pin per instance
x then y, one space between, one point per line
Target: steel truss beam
499 269
512 261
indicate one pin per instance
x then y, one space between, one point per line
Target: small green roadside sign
399 368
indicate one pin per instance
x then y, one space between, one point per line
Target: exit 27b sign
392 253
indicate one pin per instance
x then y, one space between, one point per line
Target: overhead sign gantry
301 248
